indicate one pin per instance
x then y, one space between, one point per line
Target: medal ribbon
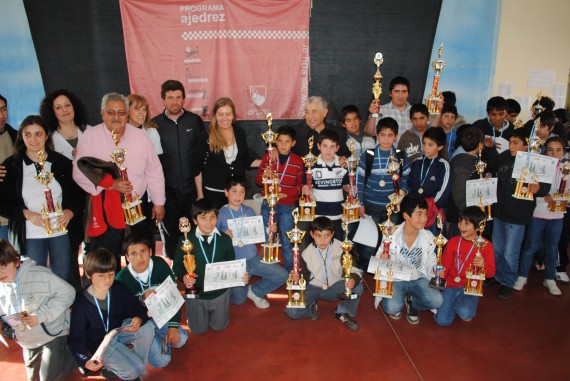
106 326
458 257
284 170
204 251
327 264
18 299
141 283
384 170
240 230
422 171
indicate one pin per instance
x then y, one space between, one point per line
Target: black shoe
505 292
490 283
107 374
314 312
348 322
7 331
413 315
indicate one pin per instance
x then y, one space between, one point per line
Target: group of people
179 168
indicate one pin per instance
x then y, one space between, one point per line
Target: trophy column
308 203
352 204
435 100
383 282
296 290
346 263
475 276
393 169
440 242
189 260
561 197
50 210
480 167
377 85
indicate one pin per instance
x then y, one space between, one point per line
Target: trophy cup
347 262
521 190
475 276
50 210
480 167
269 137
435 100
561 197
132 205
377 86
189 261
383 282
308 203
296 290
352 204
270 249
393 169
440 242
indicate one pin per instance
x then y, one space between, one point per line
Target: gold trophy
347 262
132 204
480 167
440 241
561 197
352 204
435 100
475 276
50 210
270 249
270 138
383 282
296 290
521 190
189 261
377 86
393 169
308 203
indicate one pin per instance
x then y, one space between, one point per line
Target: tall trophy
132 204
435 100
352 204
522 191
480 167
561 197
347 261
270 249
440 241
383 281
270 138
189 260
308 203
394 172
296 290
50 210
377 85
475 276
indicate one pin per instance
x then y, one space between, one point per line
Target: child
329 180
212 308
373 181
513 110
544 130
350 120
272 277
447 121
102 307
289 169
429 176
322 266
495 126
412 245
459 255
143 274
545 227
511 216
40 300
411 140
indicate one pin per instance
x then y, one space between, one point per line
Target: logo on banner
258 94
191 55
201 93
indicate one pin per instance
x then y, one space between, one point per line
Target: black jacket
304 132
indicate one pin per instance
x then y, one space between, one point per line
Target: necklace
213 251
239 228
422 181
458 265
106 326
383 171
326 264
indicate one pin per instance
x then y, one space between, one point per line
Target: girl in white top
140 117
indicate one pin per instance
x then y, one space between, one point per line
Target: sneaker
259 302
413 315
504 292
552 287
348 322
490 282
396 316
520 283
314 312
539 266
562 276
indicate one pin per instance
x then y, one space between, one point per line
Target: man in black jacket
7 140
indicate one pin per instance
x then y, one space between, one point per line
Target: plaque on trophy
435 101
475 276
51 210
189 260
377 85
132 204
440 241
296 290
308 203
561 197
351 205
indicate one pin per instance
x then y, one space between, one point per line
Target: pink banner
255 52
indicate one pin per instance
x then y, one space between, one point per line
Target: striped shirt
327 188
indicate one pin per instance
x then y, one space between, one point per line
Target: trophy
561 197
435 100
383 282
308 203
480 167
352 204
296 290
271 247
475 276
189 261
387 228
440 242
521 190
393 169
347 262
537 108
50 210
132 204
377 86
269 137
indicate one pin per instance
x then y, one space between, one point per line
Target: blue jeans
155 357
313 294
423 297
548 233
4 232
507 240
284 220
128 363
455 302
272 276
58 250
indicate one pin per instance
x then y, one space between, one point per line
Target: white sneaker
520 283
259 302
562 276
552 287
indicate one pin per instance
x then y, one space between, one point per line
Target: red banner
255 52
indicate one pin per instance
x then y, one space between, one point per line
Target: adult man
398 108
181 132
316 110
7 140
106 224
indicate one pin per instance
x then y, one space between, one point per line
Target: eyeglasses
112 113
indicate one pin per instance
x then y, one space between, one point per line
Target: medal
382 183
21 327
457 279
325 287
240 243
421 190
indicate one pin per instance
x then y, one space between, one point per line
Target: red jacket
449 260
291 180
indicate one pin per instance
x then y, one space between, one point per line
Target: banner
255 52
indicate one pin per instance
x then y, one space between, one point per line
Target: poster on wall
256 53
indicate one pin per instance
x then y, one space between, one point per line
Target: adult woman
22 196
67 119
227 154
140 118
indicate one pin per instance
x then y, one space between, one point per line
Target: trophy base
433 283
135 221
296 306
56 234
191 296
343 296
479 294
522 197
387 296
270 262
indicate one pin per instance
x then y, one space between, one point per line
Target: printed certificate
224 274
544 167
247 230
481 192
164 302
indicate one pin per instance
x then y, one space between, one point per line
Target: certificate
481 192
544 167
224 275
247 230
164 302
400 270
501 144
